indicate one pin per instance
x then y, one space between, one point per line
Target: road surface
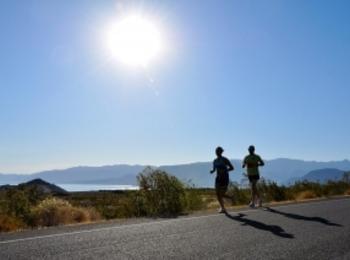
314 230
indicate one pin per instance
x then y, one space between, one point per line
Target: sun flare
134 40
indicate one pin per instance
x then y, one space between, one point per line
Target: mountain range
282 171
323 175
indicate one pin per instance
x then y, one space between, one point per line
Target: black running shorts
222 180
253 178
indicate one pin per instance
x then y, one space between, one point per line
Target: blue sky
270 73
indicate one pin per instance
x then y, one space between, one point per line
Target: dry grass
308 194
209 201
213 205
8 223
53 212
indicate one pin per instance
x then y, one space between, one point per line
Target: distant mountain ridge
324 175
280 170
111 174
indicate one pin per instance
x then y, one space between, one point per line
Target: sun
134 41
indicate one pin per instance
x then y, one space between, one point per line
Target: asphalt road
315 230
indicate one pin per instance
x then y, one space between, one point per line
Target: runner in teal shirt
222 166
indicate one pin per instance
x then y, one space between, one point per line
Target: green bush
16 204
160 194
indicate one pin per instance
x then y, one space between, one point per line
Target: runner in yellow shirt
252 161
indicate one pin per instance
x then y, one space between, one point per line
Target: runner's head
251 149
219 151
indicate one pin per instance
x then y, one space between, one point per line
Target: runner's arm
230 166
214 168
261 162
243 163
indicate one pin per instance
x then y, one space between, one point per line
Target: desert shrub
110 204
239 196
271 191
160 193
346 177
315 187
15 209
193 199
54 211
123 209
93 214
318 189
34 195
107 211
335 188
10 223
16 204
308 194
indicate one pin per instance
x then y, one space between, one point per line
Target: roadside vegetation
160 195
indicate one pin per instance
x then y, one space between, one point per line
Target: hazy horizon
157 165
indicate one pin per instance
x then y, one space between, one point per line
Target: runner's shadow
276 230
301 217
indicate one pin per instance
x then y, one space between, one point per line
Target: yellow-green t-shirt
252 162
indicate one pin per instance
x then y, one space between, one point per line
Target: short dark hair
219 149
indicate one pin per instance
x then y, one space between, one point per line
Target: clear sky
271 73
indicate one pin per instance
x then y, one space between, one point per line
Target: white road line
148 223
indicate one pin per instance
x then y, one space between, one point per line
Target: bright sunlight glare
134 41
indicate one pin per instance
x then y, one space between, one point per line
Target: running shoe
221 210
251 204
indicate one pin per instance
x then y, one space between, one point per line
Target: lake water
95 187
